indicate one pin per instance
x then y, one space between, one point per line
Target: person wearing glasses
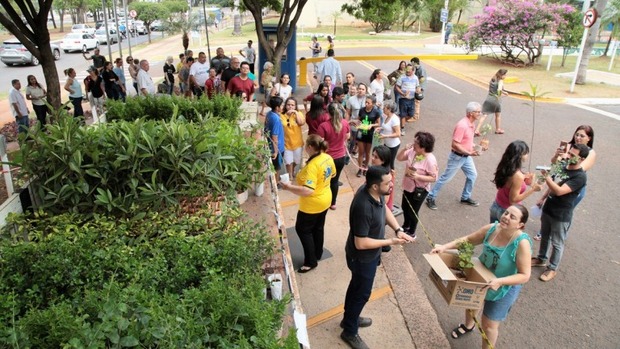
461 157
557 211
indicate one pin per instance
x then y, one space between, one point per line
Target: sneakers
538 237
361 322
537 262
397 211
354 341
402 132
548 275
359 173
470 202
430 202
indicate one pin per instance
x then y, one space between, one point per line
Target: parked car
83 28
78 42
15 53
157 26
103 38
140 27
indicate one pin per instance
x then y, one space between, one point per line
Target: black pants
41 112
77 106
333 184
310 228
412 202
393 153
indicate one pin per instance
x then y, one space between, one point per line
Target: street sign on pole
444 15
589 18
133 14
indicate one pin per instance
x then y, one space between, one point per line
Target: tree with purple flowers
516 27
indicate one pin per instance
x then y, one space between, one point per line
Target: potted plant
484 130
465 253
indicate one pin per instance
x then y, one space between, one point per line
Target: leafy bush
167 107
150 163
158 280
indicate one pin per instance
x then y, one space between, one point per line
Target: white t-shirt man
249 53
18 103
200 72
145 82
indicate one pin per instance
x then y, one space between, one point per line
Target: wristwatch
399 229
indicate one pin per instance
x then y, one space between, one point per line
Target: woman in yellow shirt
312 185
292 121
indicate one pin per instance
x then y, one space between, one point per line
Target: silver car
15 53
103 39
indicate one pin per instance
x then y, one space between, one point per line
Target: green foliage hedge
113 166
158 280
221 107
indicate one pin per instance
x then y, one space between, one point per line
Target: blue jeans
22 124
358 292
456 162
496 212
555 232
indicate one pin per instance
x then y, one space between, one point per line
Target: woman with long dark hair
111 81
37 94
323 92
316 115
377 88
369 118
335 132
510 180
493 103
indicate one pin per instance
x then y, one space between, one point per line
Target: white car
83 28
78 42
140 27
103 39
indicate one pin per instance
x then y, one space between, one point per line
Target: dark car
16 53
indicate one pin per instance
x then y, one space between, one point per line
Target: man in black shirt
558 211
230 72
368 216
220 61
98 60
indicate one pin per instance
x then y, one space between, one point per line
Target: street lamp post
204 10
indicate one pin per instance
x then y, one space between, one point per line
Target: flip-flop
499 132
477 134
461 331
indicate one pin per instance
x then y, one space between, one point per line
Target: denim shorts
406 107
499 309
496 212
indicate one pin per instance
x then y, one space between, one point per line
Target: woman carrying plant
584 134
506 252
377 87
493 103
292 120
335 132
421 170
282 88
312 184
510 181
37 94
75 92
323 92
369 118
317 115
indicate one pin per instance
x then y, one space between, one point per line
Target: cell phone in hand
564 146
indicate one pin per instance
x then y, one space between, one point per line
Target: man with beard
368 216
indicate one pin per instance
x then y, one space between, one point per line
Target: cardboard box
468 293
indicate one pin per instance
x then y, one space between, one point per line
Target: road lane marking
595 110
444 85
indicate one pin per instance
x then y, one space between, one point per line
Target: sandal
538 237
499 132
461 331
477 134
305 269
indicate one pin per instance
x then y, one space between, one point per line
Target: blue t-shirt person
273 127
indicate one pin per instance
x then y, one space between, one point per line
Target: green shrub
158 280
221 107
149 163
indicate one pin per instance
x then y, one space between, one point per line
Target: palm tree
611 16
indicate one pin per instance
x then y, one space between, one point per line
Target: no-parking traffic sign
133 14
589 18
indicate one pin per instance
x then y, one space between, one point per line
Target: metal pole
614 48
107 32
443 24
204 10
118 35
127 26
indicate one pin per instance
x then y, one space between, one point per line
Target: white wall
323 10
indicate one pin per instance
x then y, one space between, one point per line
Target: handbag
419 192
419 96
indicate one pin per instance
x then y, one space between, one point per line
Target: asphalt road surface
579 308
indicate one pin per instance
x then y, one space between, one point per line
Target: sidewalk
402 314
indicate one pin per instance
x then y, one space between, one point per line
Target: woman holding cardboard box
506 252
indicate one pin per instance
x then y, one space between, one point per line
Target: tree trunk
51 77
236 19
609 41
587 49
